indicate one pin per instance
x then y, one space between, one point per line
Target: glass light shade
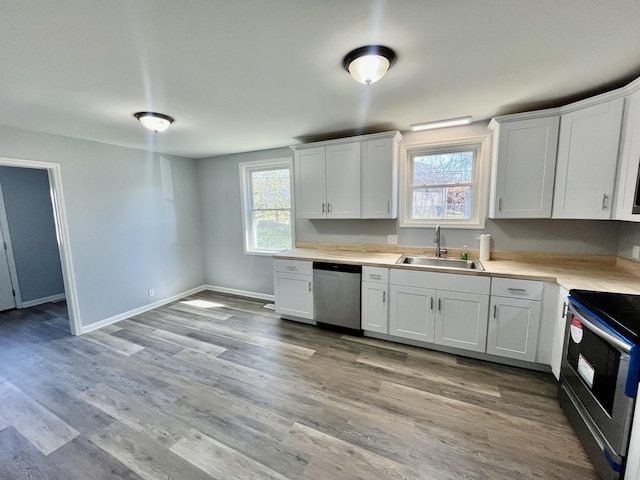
156 122
369 68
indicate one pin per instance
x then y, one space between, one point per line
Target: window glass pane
272 230
442 203
271 189
443 168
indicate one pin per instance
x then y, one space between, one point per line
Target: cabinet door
524 168
411 313
343 180
513 328
379 178
559 332
587 159
629 167
374 307
461 320
310 183
294 294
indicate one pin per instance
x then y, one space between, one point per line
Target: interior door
7 300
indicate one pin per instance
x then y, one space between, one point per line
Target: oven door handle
601 331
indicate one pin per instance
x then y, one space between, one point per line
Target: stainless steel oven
599 374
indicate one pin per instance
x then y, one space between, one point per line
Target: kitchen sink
441 262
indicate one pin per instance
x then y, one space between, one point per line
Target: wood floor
217 386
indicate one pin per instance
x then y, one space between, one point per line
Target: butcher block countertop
588 272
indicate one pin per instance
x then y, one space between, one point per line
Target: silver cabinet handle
291 268
499 204
495 311
309 286
565 305
605 197
384 297
431 298
388 207
517 289
328 208
439 305
323 208
374 276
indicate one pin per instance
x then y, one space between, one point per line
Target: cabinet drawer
292 266
375 274
509 287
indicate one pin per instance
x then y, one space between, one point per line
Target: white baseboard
240 293
173 298
139 310
40 301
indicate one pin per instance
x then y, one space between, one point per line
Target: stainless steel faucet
436 240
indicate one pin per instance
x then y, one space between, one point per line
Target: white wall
226 263
133 219
32 230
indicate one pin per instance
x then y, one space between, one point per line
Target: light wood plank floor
217 386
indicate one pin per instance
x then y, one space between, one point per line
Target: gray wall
535 235
629 236
228 266
133 224
225 260
32 232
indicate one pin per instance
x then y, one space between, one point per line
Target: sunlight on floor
203 304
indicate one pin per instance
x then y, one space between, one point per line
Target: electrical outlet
636 252
151 292
392 239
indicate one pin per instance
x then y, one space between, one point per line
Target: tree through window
267 206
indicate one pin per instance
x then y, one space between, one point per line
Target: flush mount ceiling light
368 64
451 122
157 122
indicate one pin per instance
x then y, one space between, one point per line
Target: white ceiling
243 75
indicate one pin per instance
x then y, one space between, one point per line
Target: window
445 184
267 206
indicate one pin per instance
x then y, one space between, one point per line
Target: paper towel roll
485 246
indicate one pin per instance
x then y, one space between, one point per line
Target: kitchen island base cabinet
461 320
293 288
412 313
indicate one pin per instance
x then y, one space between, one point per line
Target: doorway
61 232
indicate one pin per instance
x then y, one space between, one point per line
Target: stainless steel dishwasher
336 295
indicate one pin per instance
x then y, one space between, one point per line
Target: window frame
246 169
480 188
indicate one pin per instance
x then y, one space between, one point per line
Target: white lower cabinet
441 308
461 320
293 289
514 318
412 313
375 299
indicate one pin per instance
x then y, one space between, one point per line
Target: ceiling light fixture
368 64
157 122
451 122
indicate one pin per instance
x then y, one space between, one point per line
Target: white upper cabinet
348 178
380 177
587 158
328 181
343 180
311 184
629 163
524 160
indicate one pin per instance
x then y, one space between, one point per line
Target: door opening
61 233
